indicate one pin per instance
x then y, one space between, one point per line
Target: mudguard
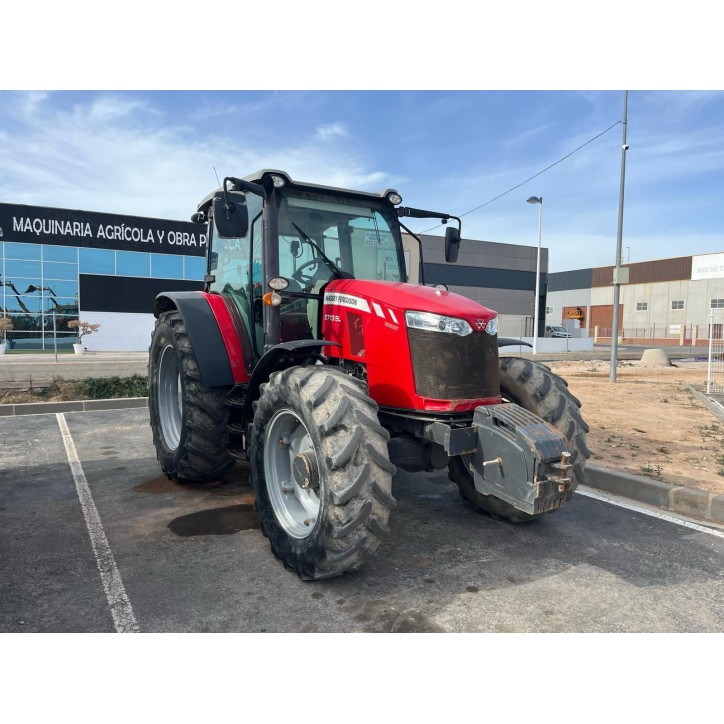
509 342
213 335
279 357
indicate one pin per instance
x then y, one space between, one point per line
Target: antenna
217 175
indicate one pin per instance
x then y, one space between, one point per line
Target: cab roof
303 185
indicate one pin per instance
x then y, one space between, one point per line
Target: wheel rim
296 508
170 399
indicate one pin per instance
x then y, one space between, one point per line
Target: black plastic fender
279 357
509 342
206 338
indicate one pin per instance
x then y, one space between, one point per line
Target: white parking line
652 513
121 611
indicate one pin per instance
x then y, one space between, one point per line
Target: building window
166 266
29 252
677 304
25 269
58 270
97 261
60 253
194 268
642 306
717 303
133 264
549 310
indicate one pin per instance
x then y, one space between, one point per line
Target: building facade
665 299
57 265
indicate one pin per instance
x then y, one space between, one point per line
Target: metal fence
692 336
715 367
47 331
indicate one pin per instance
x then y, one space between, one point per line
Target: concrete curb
675 498
713 405
43 408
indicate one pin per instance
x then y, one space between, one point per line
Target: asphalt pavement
108 543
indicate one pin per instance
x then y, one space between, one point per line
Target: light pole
619 236
537 200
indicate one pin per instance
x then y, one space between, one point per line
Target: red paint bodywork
229 335
386 352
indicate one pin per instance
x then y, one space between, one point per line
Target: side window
257 281
230 258
230 264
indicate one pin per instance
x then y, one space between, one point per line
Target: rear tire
188 421
319 421
534 387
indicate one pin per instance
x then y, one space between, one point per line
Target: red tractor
314 354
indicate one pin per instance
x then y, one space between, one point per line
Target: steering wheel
308 280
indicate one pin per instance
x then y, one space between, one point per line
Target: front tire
188 421
534 387
320 470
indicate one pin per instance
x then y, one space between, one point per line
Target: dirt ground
648 422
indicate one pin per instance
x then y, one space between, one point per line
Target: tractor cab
321 235
268 227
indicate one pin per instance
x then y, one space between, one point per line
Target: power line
522 183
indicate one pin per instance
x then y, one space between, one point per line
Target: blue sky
153 152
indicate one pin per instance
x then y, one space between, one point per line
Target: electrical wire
522 183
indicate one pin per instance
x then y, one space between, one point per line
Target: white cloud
331 130
112 154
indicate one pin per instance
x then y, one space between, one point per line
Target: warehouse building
666 301
59 265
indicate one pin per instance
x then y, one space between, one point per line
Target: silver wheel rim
296 508
170 403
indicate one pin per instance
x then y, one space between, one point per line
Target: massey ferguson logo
480 324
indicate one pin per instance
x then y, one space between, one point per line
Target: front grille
450 367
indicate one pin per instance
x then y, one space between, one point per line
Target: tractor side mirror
452 244
231 216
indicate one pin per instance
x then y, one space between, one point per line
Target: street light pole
536 308
619 237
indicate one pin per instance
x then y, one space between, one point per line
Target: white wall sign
707 266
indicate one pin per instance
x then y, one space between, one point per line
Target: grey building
498 276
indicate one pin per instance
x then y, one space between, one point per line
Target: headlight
394 198
492 326
437 323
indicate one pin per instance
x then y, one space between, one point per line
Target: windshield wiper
341 274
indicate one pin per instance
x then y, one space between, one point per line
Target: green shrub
101 388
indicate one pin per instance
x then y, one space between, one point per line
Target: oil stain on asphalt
216 521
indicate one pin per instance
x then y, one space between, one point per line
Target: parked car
556 331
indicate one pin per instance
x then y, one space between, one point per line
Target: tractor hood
359 294
411 367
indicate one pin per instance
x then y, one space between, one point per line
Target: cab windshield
325 237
